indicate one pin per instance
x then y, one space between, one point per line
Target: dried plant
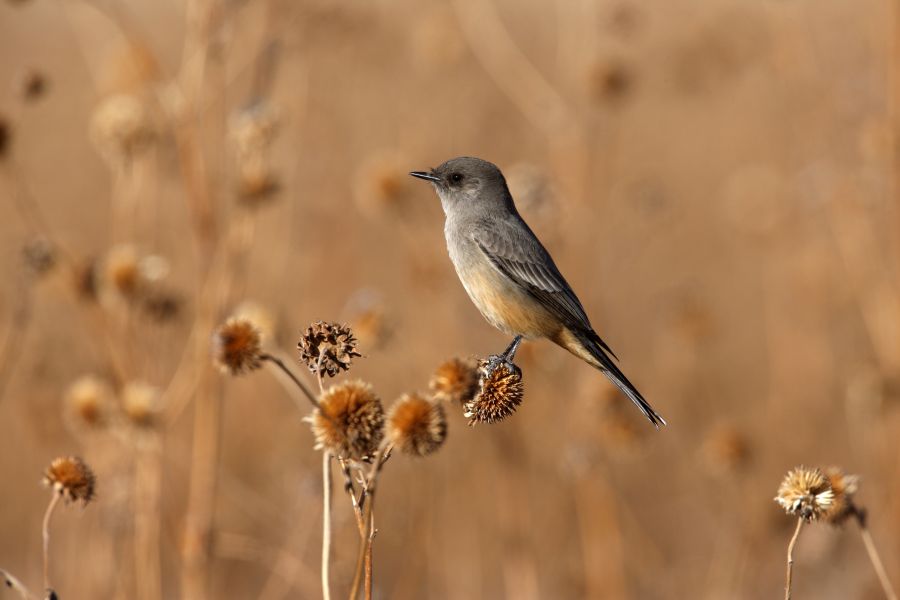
455 381
71 479
237 346
416 425
500 392
327 348
349 421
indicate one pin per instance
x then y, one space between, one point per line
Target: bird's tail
588 346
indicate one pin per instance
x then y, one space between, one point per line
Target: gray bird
508 273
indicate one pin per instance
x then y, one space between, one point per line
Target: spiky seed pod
349 421
416 425
806 493
335 343
500 393
89 402
844 486
70 477
455 381
237 346
261 317
141 404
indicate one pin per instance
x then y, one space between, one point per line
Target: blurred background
716 179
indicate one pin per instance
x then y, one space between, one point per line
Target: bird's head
468 182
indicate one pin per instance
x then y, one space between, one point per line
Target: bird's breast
504 304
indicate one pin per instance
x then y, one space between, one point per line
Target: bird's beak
427 176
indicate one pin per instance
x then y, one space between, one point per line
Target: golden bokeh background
717 181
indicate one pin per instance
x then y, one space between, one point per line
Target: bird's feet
495 360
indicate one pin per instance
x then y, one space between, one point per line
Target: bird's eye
456 177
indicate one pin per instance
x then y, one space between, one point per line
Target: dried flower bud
455 381
32 85
417 425
39 255
71 478
844 487
327 348
501 391
121 272
89 402
236 347
806 493
349 421
141 404
122 128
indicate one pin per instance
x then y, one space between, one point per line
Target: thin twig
280 363
365 546
16 585
326 524
790 560
889 592
45 530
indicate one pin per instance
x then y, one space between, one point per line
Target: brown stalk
790 560
364 559
874 557
147 489
45 530
326 524
11 582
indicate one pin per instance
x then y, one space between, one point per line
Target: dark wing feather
526 262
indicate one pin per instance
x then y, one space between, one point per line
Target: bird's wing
523 259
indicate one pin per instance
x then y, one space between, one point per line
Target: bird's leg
510 353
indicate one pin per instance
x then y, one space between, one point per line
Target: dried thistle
456 380
252 131
500 393
71 478
122 128
141 404
32 85
327 348
39 255
806 493
122 271
416 425
844 487
237 346
89 401
162 306
349 421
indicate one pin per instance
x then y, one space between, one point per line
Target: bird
509 275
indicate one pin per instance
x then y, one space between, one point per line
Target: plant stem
790 560
280 364
16 585
364 559
45 529
326 524
889 592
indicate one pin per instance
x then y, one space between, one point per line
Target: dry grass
717 180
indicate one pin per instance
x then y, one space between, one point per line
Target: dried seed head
726 449
252 131
122 272
417 425
122 128
381 186
335 345
349 421
162 306
89 402
71 478
85 279
141 404
500 393
39 255
844 487
455 381
610 81
237 346
32 85
806 493
256 182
